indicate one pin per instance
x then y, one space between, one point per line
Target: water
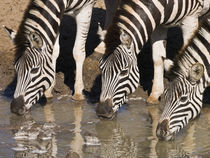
68 129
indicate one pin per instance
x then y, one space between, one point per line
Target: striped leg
83 19
56 51
158 51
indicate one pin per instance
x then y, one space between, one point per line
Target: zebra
134 22
37 48
189 75
111 7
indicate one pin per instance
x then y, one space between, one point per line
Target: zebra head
183 96
120 77
34 68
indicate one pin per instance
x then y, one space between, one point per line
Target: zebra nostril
104 109
17 106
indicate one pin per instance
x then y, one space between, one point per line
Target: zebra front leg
56 50
83 19
158 39
48 93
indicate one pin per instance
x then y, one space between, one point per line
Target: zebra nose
17 106
162 130
104 110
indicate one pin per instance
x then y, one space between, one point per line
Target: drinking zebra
37 42
135 21
189 76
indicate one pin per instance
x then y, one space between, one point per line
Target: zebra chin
18 106
163 132
104 110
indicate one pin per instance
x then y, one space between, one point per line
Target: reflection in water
34 139
171 149
190 141
155 115
49 117
114 142
130 135
77 143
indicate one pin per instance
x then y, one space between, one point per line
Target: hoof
100 48
78 97
48 95
152 100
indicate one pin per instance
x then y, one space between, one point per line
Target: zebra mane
181 60
21 41
112 38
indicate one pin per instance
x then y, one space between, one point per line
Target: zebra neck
139 18
197 50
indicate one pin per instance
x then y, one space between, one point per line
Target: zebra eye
34 70
183 98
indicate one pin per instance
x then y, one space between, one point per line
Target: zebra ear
11 33
125 39
101 32
35 40
196 72
168 64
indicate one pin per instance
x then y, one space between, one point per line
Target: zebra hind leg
83 19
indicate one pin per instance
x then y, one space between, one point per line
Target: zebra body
135 21
190 75
37 42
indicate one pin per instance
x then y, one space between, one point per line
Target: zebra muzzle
17 106
104 110
163 132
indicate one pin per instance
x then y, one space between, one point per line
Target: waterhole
69 129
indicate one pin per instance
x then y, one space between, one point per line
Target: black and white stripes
190 75
139 18
134 23
37 42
